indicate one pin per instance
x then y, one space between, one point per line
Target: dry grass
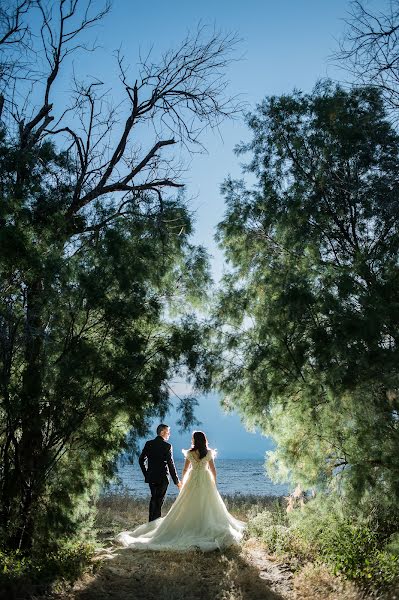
239 573
316 581
146 575
142 575
116 512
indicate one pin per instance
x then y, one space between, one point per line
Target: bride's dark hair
200 443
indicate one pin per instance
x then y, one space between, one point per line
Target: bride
198 519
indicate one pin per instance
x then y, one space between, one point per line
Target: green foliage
357 545
93 324
64 564
272 528
307 318
99 280
307 321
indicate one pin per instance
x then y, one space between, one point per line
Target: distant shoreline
218 457
234 476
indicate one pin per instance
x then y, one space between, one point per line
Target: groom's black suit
156 462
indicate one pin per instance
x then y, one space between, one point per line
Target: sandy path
238 574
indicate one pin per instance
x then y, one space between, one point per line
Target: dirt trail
238 574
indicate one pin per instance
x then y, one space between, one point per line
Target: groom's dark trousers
156 462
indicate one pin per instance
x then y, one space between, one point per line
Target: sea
234 476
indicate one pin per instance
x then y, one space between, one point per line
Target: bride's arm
213 469
185 468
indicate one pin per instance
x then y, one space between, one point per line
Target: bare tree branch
176 97
13 30
15 40
370 48
183 94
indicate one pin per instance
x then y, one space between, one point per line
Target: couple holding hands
198 518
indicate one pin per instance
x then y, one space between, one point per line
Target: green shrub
350 548
13 564
68 561
272 528
64 563
384 568
246 506
358 545
354 544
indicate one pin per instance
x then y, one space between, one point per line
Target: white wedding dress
198 519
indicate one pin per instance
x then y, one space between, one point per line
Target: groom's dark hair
161 427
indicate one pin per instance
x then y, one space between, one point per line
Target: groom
158 455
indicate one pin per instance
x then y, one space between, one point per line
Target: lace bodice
197 463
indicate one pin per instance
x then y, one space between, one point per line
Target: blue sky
285 45
225 432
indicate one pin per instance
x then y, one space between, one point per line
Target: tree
309 346
369 49
14 42
95 260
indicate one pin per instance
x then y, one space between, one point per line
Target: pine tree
309 347
98 277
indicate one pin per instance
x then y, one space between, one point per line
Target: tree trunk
30 451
